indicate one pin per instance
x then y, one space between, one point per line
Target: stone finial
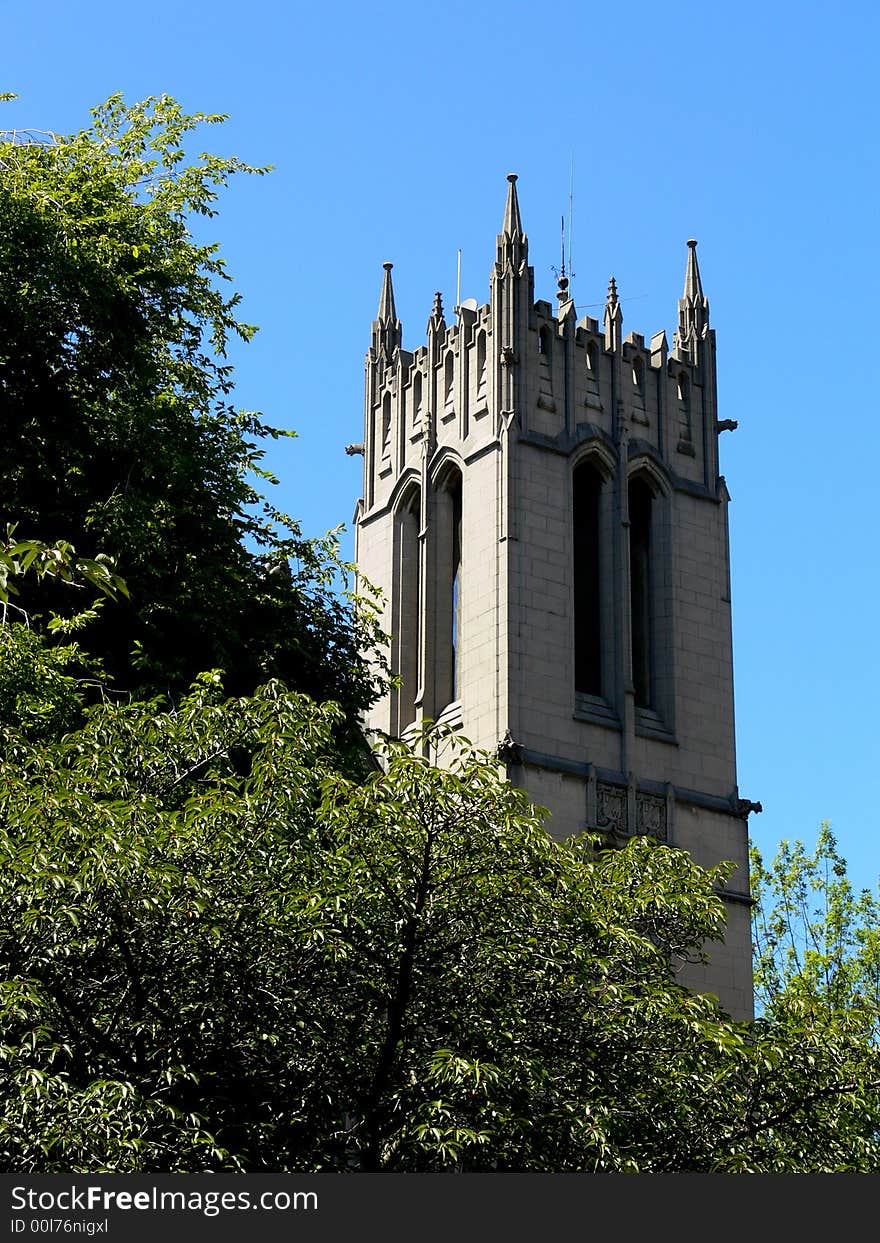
436 329
613 317
437 322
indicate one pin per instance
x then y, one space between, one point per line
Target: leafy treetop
117 423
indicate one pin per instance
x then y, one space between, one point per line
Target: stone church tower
543 510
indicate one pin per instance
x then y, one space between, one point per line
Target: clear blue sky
752 127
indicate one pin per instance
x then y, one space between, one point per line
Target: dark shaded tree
116 418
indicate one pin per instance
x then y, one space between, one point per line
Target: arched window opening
448 601
685 429
386 424
592 367
481 361
449 379
417 399
641 501
370 459
455 637
638 373
544 343
408 610
586 499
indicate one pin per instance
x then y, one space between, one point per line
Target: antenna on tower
564 272
458 282
570 207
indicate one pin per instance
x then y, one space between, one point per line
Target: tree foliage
116 418
221 952
817 942
44 676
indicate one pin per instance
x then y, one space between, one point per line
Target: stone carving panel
651 816
611 807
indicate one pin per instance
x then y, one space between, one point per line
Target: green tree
43 676
117 423
221 952
817 942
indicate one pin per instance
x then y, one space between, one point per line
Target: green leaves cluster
817 942
58 561
116 418
220 951
41 694
43 682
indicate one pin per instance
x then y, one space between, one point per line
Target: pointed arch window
685 426
407 607
455 628
641 501
386 425
417 399
481 364
449 380
586 543
448 599
638 373
591 355
545 343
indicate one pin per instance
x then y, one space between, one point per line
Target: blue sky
752 127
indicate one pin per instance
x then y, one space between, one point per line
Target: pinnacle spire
693 286
386 310
512 226
693 309
613 317
387 332
437 321
512 249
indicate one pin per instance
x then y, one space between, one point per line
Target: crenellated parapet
523 364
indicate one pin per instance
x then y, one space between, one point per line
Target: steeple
613 317
693 308
387 334
693 286
386 299
512 222
513 245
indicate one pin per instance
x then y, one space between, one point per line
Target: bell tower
543 510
